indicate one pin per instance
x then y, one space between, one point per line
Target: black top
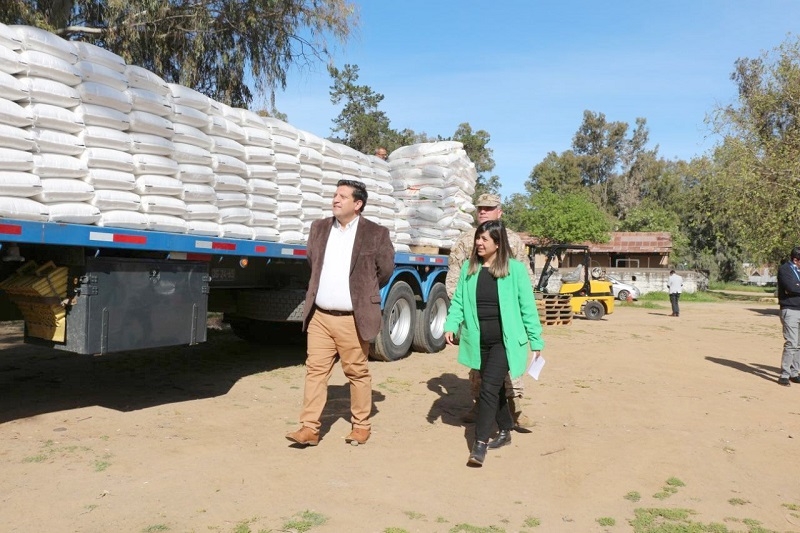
488 304
788 286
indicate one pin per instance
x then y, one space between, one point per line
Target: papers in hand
536 367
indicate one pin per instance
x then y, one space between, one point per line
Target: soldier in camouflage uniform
489 208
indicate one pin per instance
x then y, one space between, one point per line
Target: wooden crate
555 309
419 249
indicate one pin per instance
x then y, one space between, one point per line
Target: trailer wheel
397 330
429 331
594 310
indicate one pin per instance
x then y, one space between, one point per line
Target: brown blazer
371 267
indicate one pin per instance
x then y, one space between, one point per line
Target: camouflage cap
488 200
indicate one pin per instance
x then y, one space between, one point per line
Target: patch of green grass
633 496
305 520
242 527
532 521
670 487
154 528
413 515
395 530
791 506
650 305
469 528
441 520
678 521
606 521
700 296
40 458
731 286
395 385
738 501
99 466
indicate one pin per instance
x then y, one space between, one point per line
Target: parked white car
622 290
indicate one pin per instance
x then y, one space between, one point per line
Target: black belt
333 312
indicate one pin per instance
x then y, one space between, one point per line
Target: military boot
520 419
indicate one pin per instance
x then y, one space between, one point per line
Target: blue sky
525 71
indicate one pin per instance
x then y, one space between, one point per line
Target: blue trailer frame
411 318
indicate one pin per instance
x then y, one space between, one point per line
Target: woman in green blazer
496 311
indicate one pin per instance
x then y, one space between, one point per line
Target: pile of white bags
433 185
87 139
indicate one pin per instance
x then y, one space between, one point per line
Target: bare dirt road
683 412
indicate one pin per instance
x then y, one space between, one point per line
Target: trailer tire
594 310
397 329
429 330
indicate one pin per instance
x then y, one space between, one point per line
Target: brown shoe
305 436
357 436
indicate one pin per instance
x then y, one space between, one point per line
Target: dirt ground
192 440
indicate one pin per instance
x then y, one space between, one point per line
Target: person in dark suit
351 258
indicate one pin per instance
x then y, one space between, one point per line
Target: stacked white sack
230 170
157 172
286 144
104 111
193 156
49 78
314 204
18 184
262 186
434 183
380 179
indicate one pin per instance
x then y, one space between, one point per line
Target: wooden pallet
555 309
419 249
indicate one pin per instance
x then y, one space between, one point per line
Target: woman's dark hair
497 232
359 191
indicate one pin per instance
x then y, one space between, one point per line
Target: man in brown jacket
351 258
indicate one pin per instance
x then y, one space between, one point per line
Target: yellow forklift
591 292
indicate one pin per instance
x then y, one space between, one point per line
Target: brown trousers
328 337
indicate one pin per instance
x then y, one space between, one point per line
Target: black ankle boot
503 438
478 454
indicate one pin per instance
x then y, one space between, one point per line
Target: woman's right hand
448 338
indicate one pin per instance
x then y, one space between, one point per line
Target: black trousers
673 299
492 403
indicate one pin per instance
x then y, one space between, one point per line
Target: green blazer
518 315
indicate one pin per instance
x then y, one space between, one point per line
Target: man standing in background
489 208
789 300
674 287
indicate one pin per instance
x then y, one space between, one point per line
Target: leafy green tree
216 47
599 145
476 144
638 166
570 217
361 124
758 163
556 173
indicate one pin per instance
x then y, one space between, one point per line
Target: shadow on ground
770 373
37 380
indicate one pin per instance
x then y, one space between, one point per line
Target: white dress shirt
334 281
